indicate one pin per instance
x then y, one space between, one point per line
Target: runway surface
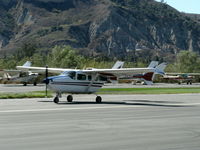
121 122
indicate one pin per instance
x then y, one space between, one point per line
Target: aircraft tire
24 84
35 83
69 98
98 99
56 100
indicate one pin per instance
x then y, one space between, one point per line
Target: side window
72 74
101 78
81 77
89 77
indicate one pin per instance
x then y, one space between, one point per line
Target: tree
27 50
64 57
188 62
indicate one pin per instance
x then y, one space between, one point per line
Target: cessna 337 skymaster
86 81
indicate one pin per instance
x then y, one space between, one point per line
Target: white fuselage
76 85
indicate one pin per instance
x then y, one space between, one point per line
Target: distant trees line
67 57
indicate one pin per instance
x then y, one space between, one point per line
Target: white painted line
58 109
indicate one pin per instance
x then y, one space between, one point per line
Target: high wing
116 72
26 68
119 72
43 69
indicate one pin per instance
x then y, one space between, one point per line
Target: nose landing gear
56 100
98 99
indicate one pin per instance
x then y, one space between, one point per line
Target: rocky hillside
195 17
114 28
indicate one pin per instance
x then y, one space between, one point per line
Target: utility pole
46 82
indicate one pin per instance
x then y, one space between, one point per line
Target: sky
187 6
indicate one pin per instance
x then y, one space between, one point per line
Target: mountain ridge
113 28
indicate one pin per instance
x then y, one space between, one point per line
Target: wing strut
91 82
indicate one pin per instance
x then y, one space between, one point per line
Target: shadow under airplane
127 102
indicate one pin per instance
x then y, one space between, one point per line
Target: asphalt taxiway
121 122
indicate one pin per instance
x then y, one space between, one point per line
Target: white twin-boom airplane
86 81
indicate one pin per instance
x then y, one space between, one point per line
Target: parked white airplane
20 76
181 77
86 81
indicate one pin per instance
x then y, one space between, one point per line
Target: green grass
37 94
41 94
149 90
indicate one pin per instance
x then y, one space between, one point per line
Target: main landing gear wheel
56 100
98 99
189 82
69 98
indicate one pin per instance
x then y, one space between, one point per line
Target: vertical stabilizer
27 64
160 68
118 65
153 64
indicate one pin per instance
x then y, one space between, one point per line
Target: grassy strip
149 90
37 94
42 94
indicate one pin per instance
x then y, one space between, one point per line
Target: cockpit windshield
71 74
